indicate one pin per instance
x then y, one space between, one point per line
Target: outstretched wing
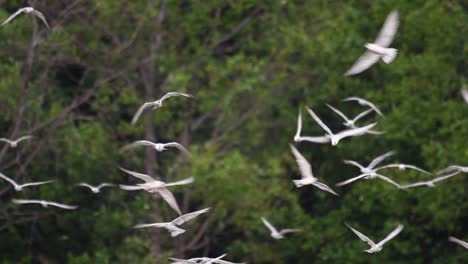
140 111
297 136
150 225
348 181
24 201
137 144
179 146
105 184
269 226
181 182
458 241
23 138
304 166
64 206
379 159
320 140
338 112
171 94
362 114
324 187
388 180
355 131
317 119
41 17
354 163
393 234
140 176
36 183
187 217
363 63
8 180
21 10
131 187
285 231
388 31
362 236
169 198
404 166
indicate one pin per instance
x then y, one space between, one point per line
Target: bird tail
298 183
177 232
390 56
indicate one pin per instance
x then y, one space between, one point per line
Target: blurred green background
251 66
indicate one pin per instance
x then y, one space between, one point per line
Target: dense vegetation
251 65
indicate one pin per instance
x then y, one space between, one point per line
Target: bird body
387 54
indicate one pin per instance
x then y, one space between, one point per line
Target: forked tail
390 55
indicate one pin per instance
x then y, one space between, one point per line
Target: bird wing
131 187
424 183
182 261
36 183
362 114
304 166
324 187
339 113
458 241
441 178
362 101
140 176
405 166
137 144
181 182
169 198
354 163
352 179
299 126
105 184
179 146
379 159
388 31
363 63
269 226
393 234
450 168
171 94
64 206
388 180
41 17
6 140
84 185
150 225
285 231
464 93
140 111
24 201
362 236
315 139
317 119
355 131
21 10
23 138
8 180
187 217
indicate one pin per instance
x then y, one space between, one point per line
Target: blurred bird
274 233
458 241
27 10
403 167
464 93
44 203
373 246
172 226
335 138
351 122
430 183
157 146
453 168
203 260
95 189
19 187
306 173
14 143
155 186
364 102
156 104
378 49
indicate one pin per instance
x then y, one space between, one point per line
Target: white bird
95 189
152 185
351 122
364 102
306 173
275 233
453 168
373 246
27 10
157 146
378 49
19 187
156 104
14 143
403 167
458 241
464 93
335 138
430 183
172 226
44 203
203 260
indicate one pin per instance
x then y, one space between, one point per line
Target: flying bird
19 187
44 203
27 10
453 168
155 186
364 102
373 246
458 241
172 226
464 93
306 173
156 104
203 260
351 122
95 189
275 233
430 183
157 146
335 138
378 49
403 167
14 143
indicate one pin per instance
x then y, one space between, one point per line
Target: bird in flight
335 138
159 147
275 233
373 246
19 187
430 183
351 122
156 104
380 47
27 10
95 189
453 168
203 260
403 167
172 226
458 241
306 173
364 102
299 138
14 143
44 203
154 186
